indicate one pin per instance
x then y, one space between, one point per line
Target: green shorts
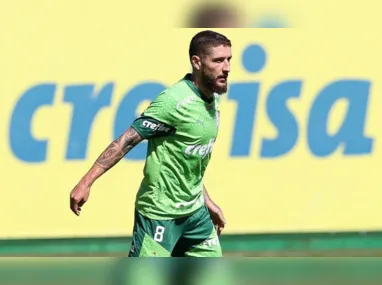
192 236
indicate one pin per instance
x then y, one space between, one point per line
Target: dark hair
204 40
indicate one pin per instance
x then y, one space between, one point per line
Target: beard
211 82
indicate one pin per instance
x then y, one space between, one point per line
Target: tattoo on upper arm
118 149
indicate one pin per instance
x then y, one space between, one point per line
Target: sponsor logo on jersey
202 149
155 127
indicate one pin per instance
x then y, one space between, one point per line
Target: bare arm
216 213
109 157
112 155
208 201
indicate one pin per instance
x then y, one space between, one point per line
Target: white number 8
159 231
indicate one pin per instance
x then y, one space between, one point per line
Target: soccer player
174 215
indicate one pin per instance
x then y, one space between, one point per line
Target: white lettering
196 149
212 242
202 150
189 149
156 127
210 146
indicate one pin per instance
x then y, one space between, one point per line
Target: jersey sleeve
158 119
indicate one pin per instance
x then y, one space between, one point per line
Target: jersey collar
187 79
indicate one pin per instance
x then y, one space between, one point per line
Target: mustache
222 76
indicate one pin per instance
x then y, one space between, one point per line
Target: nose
226 66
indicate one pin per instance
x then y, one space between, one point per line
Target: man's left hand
217 218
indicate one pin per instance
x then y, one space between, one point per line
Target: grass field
252 245
235 270
318 253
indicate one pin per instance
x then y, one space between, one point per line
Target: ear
196 62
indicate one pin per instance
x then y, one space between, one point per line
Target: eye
218 59
221 59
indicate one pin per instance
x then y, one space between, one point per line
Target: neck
206 92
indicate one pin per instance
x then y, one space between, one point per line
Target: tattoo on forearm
118 149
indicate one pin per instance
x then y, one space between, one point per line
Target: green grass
251 244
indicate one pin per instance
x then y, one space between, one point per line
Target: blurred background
296 166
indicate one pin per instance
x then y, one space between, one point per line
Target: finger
74 207
221 227
72 204
78 211
79 207
81 203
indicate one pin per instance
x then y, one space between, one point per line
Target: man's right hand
78 197
109 157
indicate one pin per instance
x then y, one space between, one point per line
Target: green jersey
181 129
